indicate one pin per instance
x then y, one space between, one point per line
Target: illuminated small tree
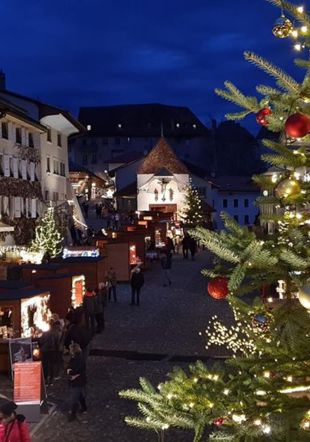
47 235
192 214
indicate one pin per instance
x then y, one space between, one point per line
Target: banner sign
27 382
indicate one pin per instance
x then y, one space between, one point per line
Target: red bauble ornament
218 288
261 116
297 125
219 421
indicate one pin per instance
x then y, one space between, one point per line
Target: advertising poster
20 351
27 382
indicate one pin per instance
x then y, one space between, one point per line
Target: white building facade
162 181
235 196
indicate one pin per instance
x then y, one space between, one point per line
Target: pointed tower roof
162 156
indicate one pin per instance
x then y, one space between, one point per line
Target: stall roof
21 294
14 285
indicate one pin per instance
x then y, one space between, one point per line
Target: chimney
2 80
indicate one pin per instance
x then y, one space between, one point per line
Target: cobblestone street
148 341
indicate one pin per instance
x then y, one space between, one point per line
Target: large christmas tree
262 392
192 214
47 236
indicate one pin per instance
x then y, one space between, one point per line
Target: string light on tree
47 235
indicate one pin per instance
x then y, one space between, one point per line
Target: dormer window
59 140
88 127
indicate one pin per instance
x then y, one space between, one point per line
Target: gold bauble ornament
304 296
282 27
288 187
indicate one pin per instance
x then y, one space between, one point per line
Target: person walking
13 427
185 245
136 282
112 283
77 380
89 304
49 344
166 264
192 247
79 334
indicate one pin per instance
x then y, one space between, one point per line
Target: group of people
71 337
189 245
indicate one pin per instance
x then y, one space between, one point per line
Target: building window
59 140
47 195
246 219
225 205
62 169
88 127
235 203
119 125
236 218
48 164
56 167
94 158
55 196
18 135
30 140
246 203
49 135
5 130
84 158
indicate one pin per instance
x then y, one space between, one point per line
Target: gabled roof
162 156
235 184
141 120
45 109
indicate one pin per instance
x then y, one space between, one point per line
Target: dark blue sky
75 53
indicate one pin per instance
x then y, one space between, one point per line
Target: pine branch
234 95
295 261
283 80
269 91
237 115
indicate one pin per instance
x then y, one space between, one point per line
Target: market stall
24 312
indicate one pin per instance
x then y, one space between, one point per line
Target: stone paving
162 330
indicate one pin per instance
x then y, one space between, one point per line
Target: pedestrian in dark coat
79 334
89 305
112 279
136 282
192 247
77 380
13 427
49 344
186 244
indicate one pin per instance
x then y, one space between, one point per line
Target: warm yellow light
257 422
304 29
297 47
266 374
300 9
294 33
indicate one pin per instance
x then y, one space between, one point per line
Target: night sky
75 53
